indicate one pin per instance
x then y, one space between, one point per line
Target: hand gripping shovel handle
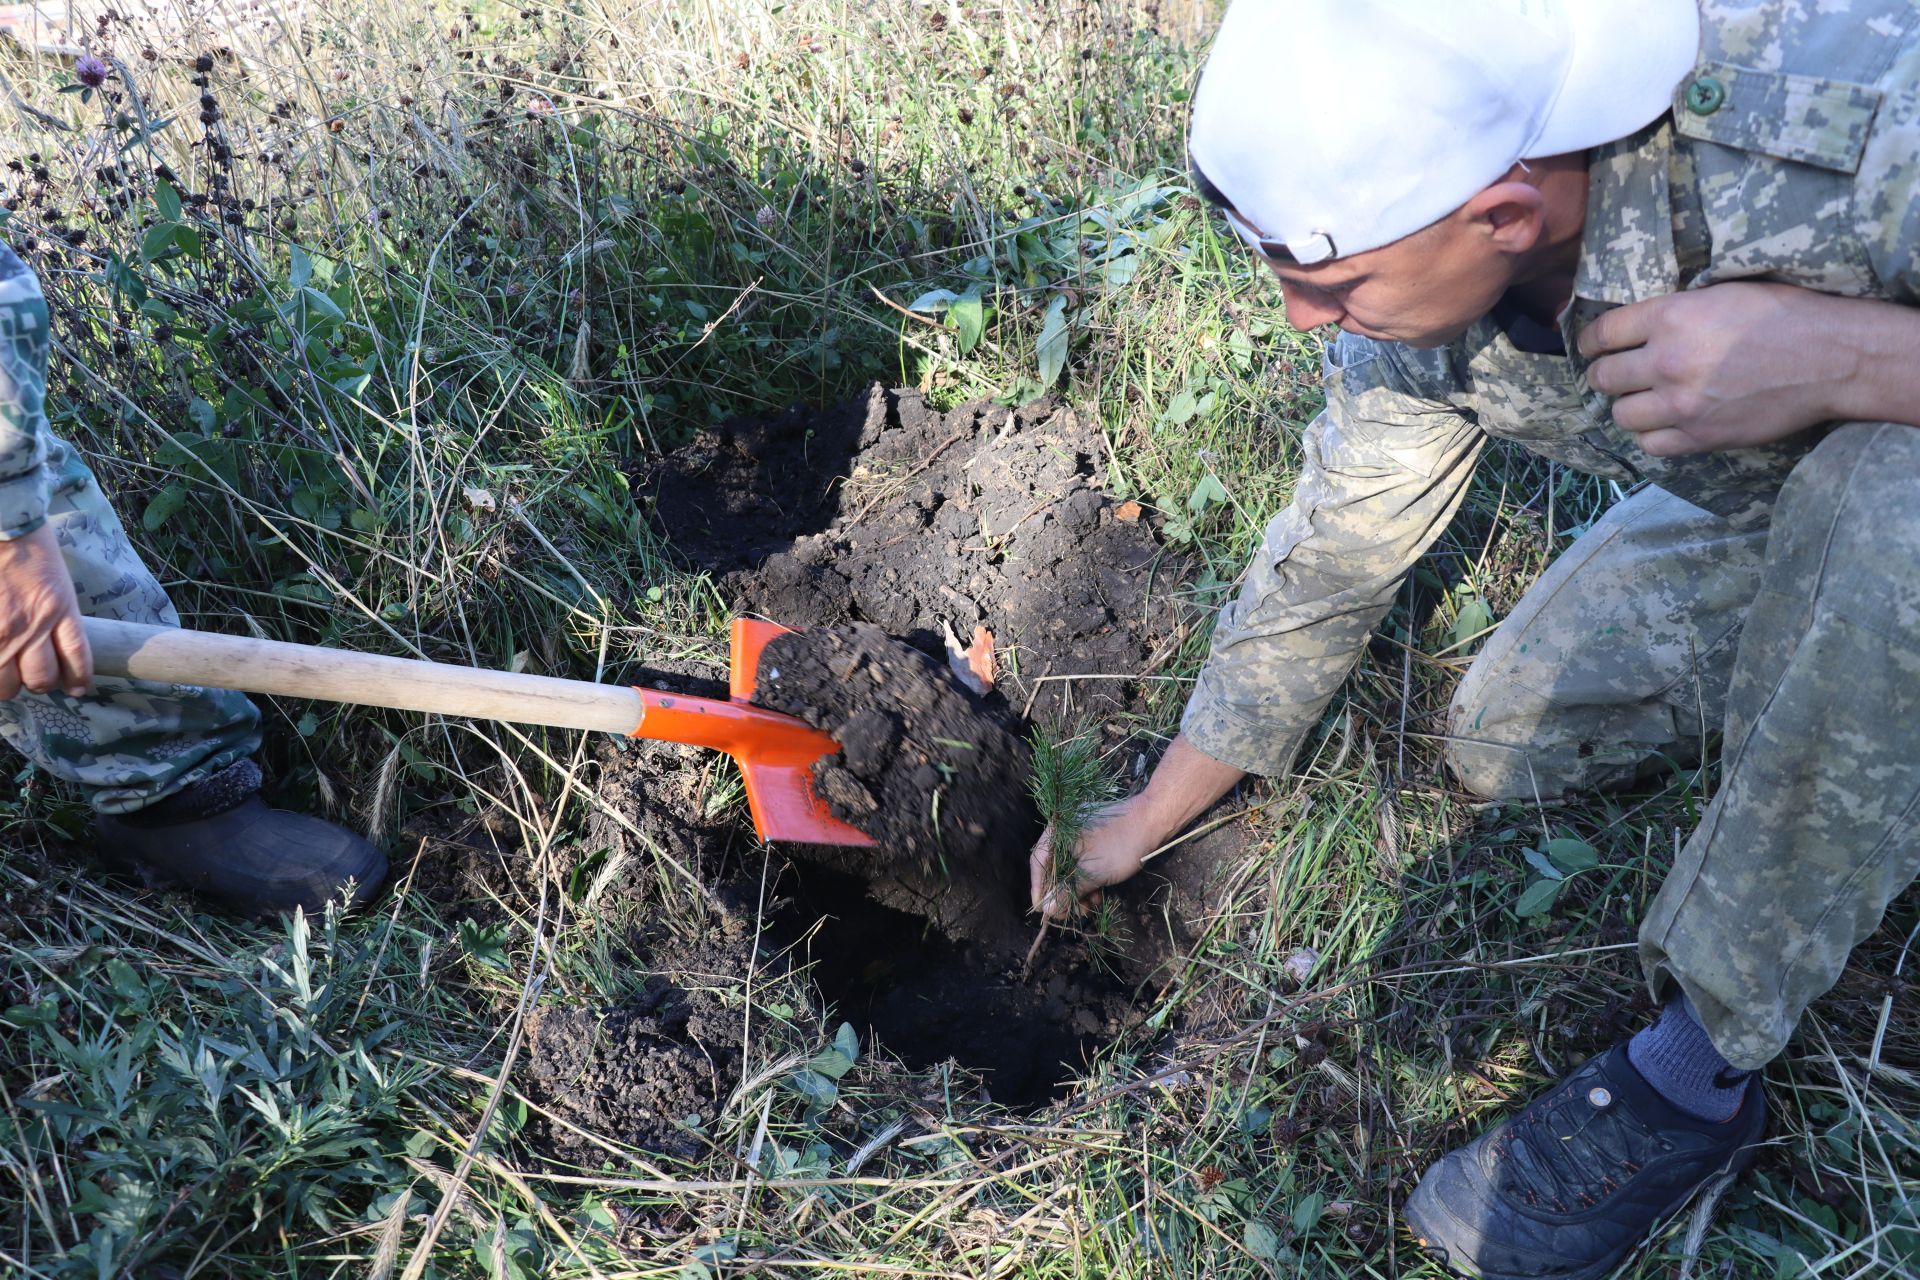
775 751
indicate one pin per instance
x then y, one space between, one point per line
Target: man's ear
1512 215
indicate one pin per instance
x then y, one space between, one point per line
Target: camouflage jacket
32 461
1791 154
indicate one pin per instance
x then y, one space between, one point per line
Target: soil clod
931 771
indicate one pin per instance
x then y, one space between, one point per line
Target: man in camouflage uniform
1712 304
168 768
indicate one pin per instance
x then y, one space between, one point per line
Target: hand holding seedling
42 644
1118 838
1067 875
1739 365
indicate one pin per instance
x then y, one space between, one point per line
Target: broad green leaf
1181 408
1474 618
1262 1241
1207 493
818 1090
167 201
847 1040
163 506
934 301
1052 344
831 1063
1572 855
1306 1215
158 240
968 317
322 305
1538 898
300 268
1539 862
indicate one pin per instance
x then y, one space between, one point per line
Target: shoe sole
1433 1240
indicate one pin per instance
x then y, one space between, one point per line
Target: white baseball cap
1338 126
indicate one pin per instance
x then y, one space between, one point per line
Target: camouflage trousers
1799 636
129 743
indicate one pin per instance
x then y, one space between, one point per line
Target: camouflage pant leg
129 742
1620 655
1817 822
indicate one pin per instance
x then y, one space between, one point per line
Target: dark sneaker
220 840
1574 1183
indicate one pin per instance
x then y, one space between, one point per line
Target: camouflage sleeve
1386 468
25 479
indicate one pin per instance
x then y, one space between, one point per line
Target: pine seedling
1069 784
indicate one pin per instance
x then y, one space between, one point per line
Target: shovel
775 752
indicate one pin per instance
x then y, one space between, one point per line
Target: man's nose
1308 309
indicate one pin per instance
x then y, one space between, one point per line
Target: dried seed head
1287 1130
203 63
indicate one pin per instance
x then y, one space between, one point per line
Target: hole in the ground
928 999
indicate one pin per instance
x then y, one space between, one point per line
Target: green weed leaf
1538 898
1541 863
1573 856
1474 618
1209 492
1262 1241
300 267
1181 408
819 1091
158 241
163 506
934 301
1052 344
968 316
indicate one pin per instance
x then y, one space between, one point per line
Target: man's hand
1117 840
43 646
1120 836
1740 364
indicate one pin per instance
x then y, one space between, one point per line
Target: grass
376 359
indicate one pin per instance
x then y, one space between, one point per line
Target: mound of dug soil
887 511
648 1071
926 768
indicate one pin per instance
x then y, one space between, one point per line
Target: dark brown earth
912 522
652 1070
886 511
928 768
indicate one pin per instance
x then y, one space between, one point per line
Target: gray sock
1680 1062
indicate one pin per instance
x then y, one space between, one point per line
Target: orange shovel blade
776 752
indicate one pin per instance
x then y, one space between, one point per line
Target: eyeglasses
1261 243
1279 251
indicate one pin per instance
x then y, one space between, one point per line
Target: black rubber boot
1576 1181
220 840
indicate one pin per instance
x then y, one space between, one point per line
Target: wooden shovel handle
172 656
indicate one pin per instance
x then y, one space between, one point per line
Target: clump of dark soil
927 768
652 1070
890 512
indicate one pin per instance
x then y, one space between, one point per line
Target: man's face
1424 290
